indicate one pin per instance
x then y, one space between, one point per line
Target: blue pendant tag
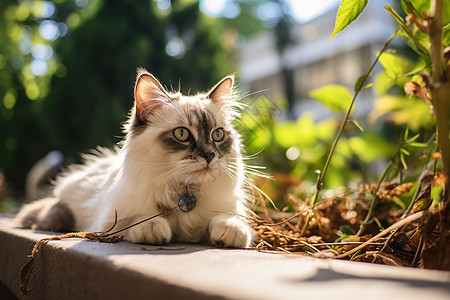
187 203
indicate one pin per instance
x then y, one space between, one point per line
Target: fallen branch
397 225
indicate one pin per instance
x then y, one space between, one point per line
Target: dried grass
329 233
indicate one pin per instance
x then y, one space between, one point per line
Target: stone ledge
82 269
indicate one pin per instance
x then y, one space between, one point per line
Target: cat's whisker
252 170
240 122
188 109
232 168
252 156
230 108
249 94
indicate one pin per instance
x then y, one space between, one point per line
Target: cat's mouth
202 171
202 174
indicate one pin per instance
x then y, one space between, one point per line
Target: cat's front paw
155 232
230 231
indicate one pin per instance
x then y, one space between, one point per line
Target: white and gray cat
176 147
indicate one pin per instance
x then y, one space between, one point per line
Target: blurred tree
284 39
242 17
26 63
86 88
245 18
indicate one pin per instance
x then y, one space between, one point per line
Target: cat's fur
152 170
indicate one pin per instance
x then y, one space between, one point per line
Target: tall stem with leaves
359 86
440 86
405 141
440 90
374 202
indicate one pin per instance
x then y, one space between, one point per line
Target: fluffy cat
175 146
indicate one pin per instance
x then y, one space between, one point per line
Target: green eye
181 134
218 135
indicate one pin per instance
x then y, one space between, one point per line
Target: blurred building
315 60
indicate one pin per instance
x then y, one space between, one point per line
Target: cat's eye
218 135
181 134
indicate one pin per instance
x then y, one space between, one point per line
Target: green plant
423 32
291 150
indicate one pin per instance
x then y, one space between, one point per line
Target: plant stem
406 29
368 218
321 176
374 203
404 215
440 89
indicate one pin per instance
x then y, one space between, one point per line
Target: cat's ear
149 94
221 92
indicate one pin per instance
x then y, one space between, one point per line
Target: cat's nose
208 156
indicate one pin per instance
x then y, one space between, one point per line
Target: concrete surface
82 269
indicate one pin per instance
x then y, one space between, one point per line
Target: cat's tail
46 214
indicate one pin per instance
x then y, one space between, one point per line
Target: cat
176 148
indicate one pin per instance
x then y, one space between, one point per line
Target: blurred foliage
67 70
391 102
335 97
399 130
293 150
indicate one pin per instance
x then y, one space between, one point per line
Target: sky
303 10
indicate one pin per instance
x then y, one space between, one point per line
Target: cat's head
189 138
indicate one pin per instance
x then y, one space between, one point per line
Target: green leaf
286 134
403 161
380 226
395 65
398 203
367 86
348 11
412 139
335 97
408 35
369 147
415 6
358 125
437 193
347 230
405 134
404 151
418 145
422 204
414 113
360 82
383 83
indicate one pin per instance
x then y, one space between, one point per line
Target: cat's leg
46 214
230 231
156 231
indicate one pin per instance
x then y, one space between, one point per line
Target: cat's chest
197 206
189 226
